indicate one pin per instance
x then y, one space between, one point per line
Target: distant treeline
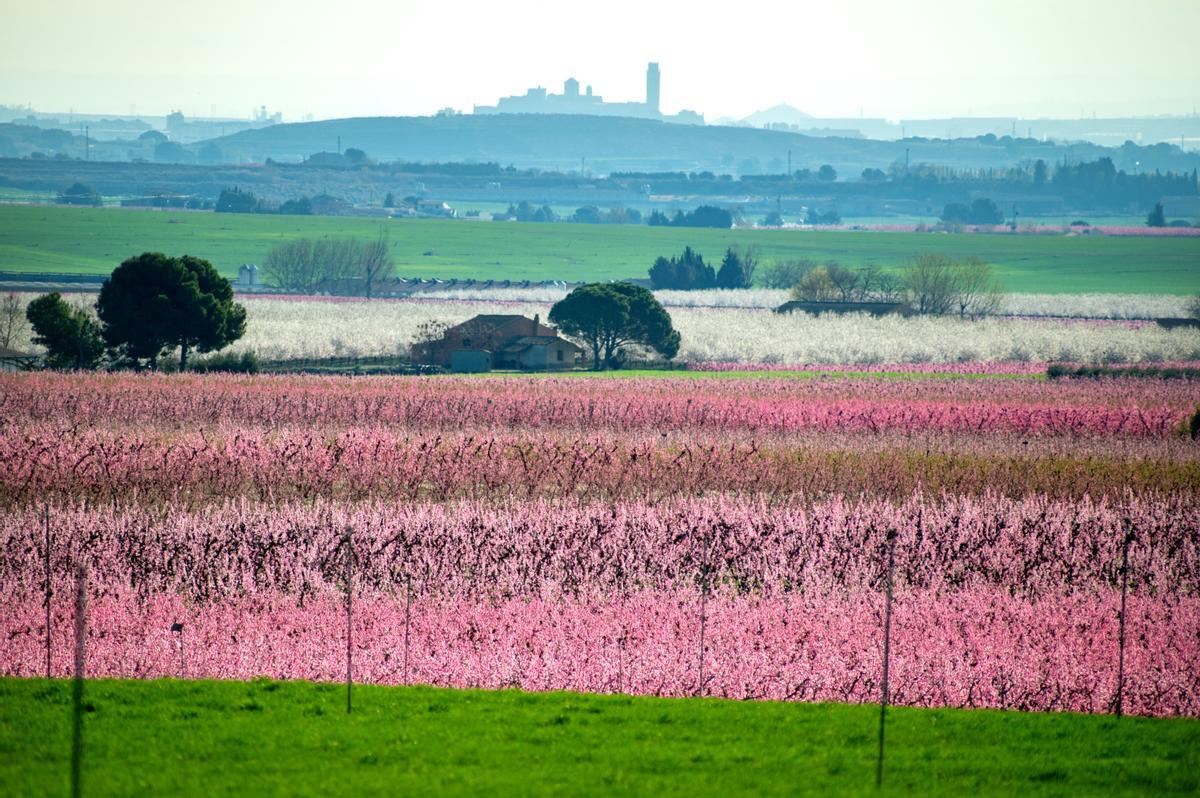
704 216
234 200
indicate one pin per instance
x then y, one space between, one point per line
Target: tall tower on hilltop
652 82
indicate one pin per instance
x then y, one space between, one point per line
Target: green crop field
88 240
762 374
294 738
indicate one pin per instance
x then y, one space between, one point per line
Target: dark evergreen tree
731 274
236 201
153 302
663 273
985 211
71 337
609 316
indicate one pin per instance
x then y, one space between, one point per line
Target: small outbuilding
499 341
872 308
538 352
12 360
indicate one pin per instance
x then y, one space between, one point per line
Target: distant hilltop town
539 101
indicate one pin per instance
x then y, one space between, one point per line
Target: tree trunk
183 353
610 348
596 354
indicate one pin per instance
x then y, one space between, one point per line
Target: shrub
227 362
784 274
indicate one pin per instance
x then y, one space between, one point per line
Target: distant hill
782 114
622 144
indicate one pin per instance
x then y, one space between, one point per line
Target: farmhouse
499 341
12 360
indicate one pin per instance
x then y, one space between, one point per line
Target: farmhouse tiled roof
495 318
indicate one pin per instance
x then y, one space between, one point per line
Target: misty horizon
870 60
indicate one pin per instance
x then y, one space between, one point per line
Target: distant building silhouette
652 85
539 101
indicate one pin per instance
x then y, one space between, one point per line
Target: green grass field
84 240
761 374
294 738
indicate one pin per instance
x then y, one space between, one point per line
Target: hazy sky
897 58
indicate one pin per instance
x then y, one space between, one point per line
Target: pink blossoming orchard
702 535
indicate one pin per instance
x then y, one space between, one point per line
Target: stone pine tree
609 316
153 303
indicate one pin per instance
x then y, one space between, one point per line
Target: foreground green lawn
90 240
205 738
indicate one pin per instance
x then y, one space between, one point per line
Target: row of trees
703 216
590 214
813 216
303 265
234 200
526 212
931 284
150 305
689 272
983 211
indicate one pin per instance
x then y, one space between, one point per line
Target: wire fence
699 635
94 622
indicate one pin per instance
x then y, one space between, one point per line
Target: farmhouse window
466 342
560 355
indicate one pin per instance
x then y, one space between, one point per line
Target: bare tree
889 287
786 273
976 292
304 265
377 262
337 259
13 323
929 282
868 279
292 266
815 286
844 280
749 257
428 334
1193 307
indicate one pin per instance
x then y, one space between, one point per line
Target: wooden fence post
621 640
407 619
177 628
1121 643
80 675
49 583
703 620
349 546
887 650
